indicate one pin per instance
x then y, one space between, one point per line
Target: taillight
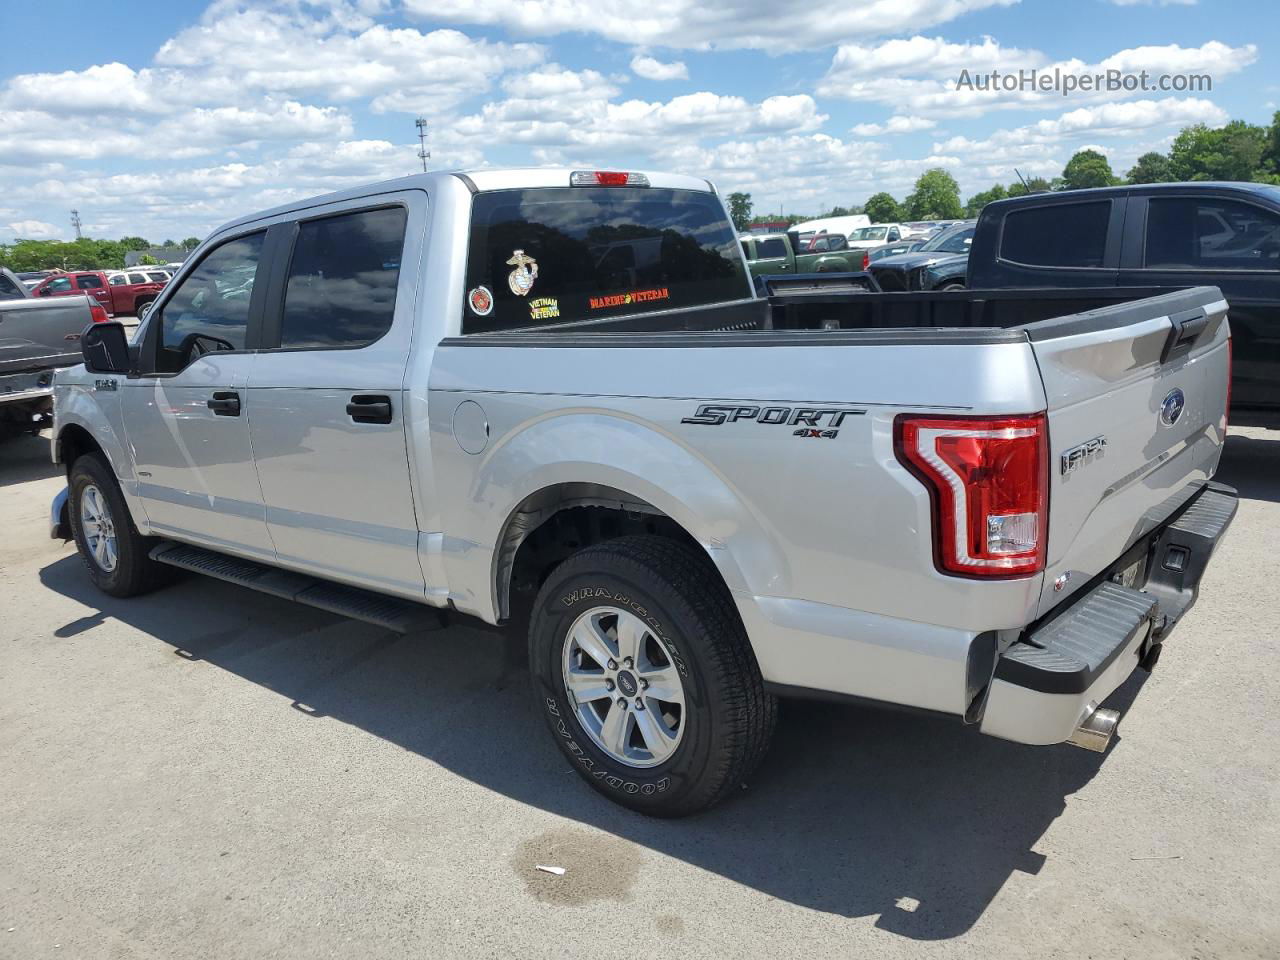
98 313
866 260
607 178
988 480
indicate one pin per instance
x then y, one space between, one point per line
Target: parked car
139 275
773 253
938 263
36 338
30 278
116 298
841 225
891 250
865 238
1154 236
699 499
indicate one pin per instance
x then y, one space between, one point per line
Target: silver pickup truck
552 396
36 338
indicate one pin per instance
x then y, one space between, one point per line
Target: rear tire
692 716
116 555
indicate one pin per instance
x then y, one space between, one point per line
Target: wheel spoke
100 551
664 685
614 730
111 553
654 733
587 686
630 636
592 642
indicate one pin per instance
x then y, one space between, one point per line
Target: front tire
116 555
646 678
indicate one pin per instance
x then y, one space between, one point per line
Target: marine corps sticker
526 271
481 300
544 308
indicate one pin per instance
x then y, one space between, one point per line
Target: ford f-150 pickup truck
553 395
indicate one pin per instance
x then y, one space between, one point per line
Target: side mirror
105 348
46 292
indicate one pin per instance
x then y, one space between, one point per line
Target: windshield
558 255
869 233
955 240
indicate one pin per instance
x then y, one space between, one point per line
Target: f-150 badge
526 271
1075 458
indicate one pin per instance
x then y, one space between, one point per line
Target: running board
392 613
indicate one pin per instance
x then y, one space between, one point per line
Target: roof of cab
1227 186
477 181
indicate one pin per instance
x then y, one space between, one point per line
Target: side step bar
392 613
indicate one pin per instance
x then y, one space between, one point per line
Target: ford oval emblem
1171 407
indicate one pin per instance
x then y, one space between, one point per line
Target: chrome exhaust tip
1096 729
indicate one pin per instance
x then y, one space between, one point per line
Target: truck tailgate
1136 398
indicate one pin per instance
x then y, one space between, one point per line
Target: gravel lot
206 772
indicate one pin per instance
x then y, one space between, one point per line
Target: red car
115 297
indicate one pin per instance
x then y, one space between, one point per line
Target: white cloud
920 74
895 124
697 25
34 230
652 69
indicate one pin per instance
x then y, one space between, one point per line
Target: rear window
1057 235
88 282
560 255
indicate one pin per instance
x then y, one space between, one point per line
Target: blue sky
167 119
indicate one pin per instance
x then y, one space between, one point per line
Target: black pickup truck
1171 235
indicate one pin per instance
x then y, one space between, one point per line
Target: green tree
1034 185
980 200
882 208
740 210
1271 157
1151 168
1088 168
1233 152
936 197
190 243
134 243
146 260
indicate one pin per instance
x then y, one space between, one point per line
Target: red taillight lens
866 260
98 313
988 479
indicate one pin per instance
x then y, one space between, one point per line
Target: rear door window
341 289
1057 235
561 255
1207 233
88 281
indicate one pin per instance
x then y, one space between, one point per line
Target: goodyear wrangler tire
644 673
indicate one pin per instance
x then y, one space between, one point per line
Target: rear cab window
550 255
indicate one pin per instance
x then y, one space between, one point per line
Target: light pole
423 153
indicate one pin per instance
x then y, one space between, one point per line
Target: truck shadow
1251 464
26 458
916 820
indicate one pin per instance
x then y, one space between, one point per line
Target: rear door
1136 399
1176 238
327 413
94 285
771 256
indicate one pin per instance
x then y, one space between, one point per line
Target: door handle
369 408
225 403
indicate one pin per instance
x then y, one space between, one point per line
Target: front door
187 416
327 414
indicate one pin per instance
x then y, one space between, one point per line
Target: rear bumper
1049 681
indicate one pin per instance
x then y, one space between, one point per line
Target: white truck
552 395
